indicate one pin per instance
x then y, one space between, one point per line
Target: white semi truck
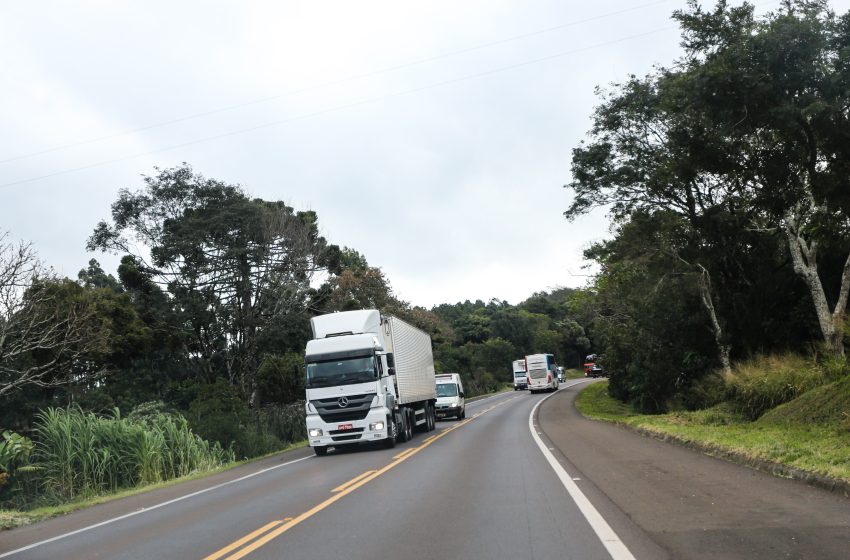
369 378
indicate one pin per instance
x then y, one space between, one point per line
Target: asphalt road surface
497 485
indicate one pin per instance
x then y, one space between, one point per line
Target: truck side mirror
390 360
390 371
462 395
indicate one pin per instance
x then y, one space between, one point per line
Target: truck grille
346 438
330 410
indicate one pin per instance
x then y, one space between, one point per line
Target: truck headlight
377 426
315 432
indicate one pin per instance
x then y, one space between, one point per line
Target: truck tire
320 450
410 423
432 418
402 427
392 430
462 414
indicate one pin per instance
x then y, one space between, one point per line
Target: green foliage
83 454
764 382
280 379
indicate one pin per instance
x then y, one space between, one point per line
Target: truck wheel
410 423
402 427
392 428
320 450
432 418
462 414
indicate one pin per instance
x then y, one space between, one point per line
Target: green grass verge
574 374
9 519
820 449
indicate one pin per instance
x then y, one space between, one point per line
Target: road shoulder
689 504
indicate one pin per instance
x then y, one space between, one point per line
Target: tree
232 264
42 336
778 90
748 130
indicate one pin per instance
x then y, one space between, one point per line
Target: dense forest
726 179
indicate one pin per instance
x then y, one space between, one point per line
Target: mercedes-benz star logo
342 402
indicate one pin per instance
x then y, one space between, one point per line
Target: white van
450 396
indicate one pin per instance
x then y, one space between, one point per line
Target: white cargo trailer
369 377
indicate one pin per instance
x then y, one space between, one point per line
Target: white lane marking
153 507
606 534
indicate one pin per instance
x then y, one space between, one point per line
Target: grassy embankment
809 435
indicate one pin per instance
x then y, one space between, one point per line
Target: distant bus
542 372
520 380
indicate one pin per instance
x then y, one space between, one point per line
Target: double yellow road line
274 529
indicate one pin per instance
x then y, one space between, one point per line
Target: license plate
345 427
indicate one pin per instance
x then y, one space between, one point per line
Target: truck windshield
341 372
447 390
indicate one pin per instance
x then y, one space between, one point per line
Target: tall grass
82 454
765 382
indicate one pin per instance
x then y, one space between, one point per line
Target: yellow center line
345 485
243 540
403 453
351 487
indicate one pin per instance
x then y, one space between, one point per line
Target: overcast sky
433 137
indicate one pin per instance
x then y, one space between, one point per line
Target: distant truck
542 372
369 378
520 380
593 366
451 400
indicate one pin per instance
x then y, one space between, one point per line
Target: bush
765 382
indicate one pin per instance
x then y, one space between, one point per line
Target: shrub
765 382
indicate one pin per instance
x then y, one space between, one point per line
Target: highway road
497 485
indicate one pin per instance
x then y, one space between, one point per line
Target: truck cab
451 400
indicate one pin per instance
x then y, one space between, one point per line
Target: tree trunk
723 349
804 258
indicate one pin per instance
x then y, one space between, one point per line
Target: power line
328 110
261 100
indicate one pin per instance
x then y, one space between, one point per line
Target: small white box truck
520 379
369 377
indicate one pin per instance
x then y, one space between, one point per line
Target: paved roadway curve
478 489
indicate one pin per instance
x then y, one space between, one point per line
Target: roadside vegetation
804 426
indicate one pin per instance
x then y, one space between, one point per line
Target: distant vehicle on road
369 378
542 372
562 375
520 379
450 396
593 366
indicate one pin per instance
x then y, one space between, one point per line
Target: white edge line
153 507
606 534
